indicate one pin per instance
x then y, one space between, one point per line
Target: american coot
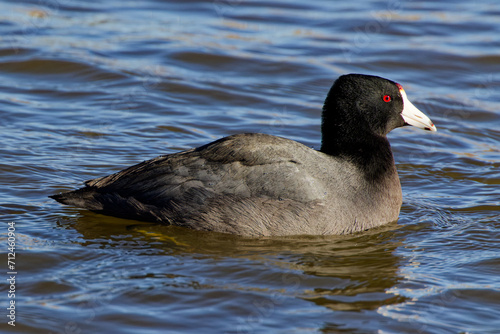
256 184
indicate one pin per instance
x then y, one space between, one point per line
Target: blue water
88 88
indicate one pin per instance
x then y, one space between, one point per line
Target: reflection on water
341 273
90 88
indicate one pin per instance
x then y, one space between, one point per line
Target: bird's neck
371 153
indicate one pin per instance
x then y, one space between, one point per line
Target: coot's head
365 105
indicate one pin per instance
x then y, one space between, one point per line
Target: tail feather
82 198
112 204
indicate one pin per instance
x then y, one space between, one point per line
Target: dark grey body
248 184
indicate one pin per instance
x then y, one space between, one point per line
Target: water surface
88 88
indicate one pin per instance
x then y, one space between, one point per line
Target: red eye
387 98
